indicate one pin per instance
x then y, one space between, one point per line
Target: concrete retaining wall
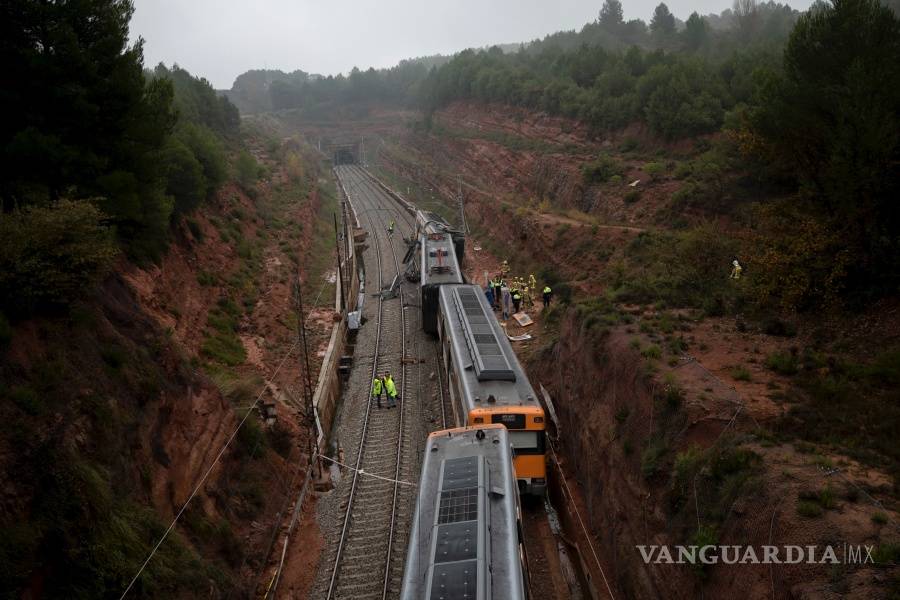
328 388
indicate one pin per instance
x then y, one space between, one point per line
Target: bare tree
746 13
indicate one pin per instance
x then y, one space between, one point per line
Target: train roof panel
439 264
484 347
464 540
489 372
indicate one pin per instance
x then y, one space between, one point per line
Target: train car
437 267
430 222
466 540
487 383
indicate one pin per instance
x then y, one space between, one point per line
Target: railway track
366 521
371 505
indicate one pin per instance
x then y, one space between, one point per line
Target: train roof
483 358
430 222
464 539
439 263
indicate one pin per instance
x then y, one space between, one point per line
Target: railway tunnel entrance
345 153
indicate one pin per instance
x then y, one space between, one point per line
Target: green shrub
783 363
886 553
51 257
207 279
705 535
632 196
226 349
741 373
651 458
194 227
209 152
651 352
879 518
827 498
674 396
247 170
184 176
809 509
683 170
251 439
779 327
654 170
629 144
686 466
601 170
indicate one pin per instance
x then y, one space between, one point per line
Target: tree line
680 81
95 148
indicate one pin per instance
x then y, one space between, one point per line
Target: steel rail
362 438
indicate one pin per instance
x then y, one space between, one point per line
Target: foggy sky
220 39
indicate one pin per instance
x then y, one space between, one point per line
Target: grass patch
808 509
783 363
207 279
886 554
652 352
741 373
851 407
651 458
812 503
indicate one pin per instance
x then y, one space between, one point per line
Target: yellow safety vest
376 387
390 387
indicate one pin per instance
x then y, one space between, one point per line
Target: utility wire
208 471
219 455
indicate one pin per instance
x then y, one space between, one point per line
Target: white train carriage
466 541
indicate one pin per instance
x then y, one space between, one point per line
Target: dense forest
804 105
809 103
98 153
264 90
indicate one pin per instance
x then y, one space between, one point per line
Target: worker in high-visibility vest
391 227
736 269
547 296
378 390
517 300
391 389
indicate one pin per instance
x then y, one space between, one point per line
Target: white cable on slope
208 471
222 451
587 535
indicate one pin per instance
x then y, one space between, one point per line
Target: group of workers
509 296
384 385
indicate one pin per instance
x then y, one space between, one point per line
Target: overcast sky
220 39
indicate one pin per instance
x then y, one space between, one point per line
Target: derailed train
467 535
487 383
466 538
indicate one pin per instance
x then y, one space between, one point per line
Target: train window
527 442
